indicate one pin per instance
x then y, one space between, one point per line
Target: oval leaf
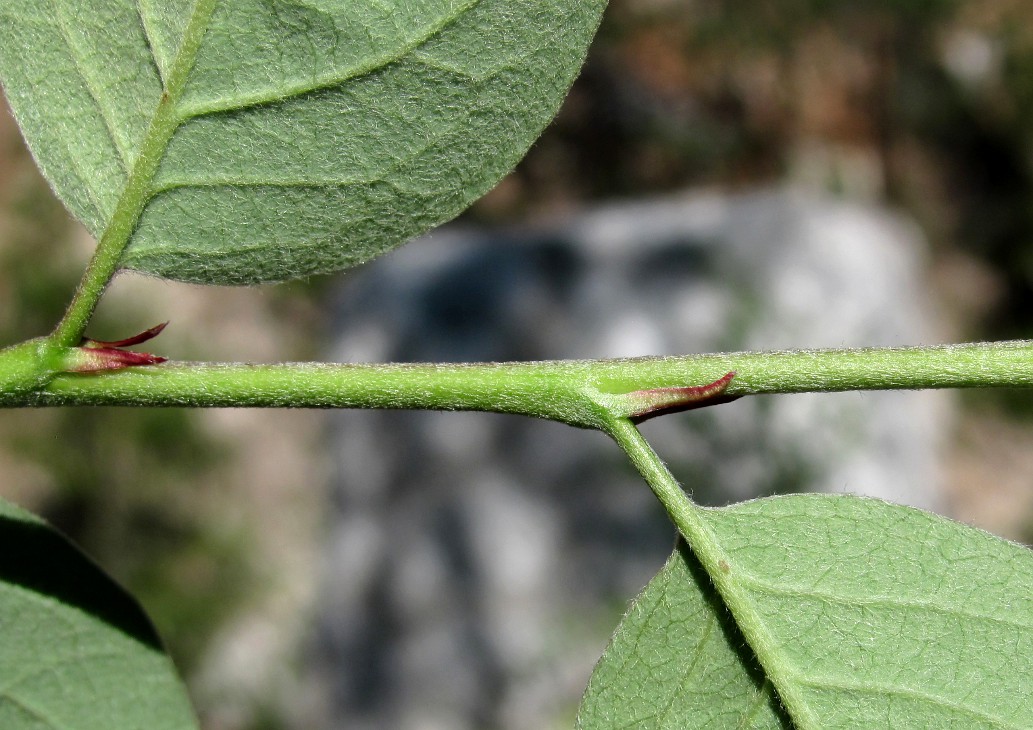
77 651
874 615
248 141
678 661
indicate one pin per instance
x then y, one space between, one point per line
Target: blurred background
724 175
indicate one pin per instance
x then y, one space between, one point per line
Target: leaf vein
150 34
753 582
287 184
764 694
697 656
30 710
329 80
905 692
82 68
57 663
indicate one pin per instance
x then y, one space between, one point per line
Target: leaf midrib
163 126
136 192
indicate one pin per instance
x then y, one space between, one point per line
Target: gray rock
477 562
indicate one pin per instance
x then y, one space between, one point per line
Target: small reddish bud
646 404
94 356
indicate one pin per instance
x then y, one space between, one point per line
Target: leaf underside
77 652
306 136
877 616
678 661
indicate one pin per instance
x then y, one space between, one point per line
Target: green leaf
77 651
246 141
677 661
871 615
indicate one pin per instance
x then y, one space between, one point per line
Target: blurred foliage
926 105
126 484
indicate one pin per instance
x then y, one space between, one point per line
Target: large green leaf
678 662
77 652
873 615
295 136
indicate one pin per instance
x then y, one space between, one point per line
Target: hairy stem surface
585 393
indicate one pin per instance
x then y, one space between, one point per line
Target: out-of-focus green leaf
77 652
873 615
302 136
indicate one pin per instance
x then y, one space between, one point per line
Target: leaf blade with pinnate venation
77 652
871 615
304 136
678 661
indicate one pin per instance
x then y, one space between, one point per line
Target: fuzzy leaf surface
872 615
678 661
77 652
294 137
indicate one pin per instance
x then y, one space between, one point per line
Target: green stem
544 390
690 520
131 204
584 393
986 364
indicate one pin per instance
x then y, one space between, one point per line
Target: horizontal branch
580 392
